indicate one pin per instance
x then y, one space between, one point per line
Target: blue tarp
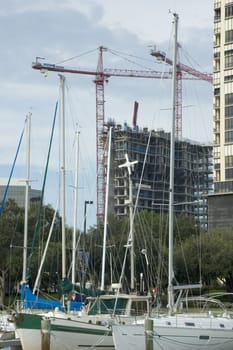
32 301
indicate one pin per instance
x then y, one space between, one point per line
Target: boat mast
172 164
130 243
75 206
106 209
131 233
62 116
28 150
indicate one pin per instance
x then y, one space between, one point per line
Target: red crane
181 68
101 76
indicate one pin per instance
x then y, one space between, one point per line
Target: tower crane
181 69
102 75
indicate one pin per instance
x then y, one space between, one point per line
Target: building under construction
193 173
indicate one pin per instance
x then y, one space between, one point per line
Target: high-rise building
220 203
193 173
16 191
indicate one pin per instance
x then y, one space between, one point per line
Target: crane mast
102 75
100 173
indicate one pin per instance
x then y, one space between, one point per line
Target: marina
155 270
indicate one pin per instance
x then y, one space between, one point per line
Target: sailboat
92 326
176 331
29 298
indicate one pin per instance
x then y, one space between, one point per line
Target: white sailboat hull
177 333
81 330
70 334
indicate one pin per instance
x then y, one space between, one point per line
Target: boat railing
205 303
22 305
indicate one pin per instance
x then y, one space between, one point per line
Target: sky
69 32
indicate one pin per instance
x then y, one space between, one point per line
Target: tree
11 228
11 248
206 257
117 235
217 256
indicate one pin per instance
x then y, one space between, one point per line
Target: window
229 11
229 36
229 136
229 161
229 99
216 91
217 14
228 123
228 58
228 78
229 167
228 111
190 324
228 117
229 173
204 337
138 308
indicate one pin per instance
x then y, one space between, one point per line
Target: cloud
62 29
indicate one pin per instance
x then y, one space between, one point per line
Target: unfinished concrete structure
150 176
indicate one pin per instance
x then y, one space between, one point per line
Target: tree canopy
198 256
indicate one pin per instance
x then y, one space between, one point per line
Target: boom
101 76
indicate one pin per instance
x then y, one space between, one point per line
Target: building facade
222 113
193 173
16 191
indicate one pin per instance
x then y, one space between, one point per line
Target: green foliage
117 234
217 247
11 228
12 240
197 255
208 257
